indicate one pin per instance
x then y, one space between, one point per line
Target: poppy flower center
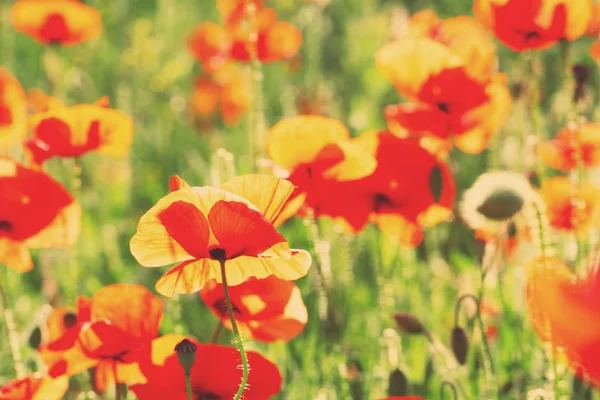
70 320
380 201
531 36
443 107
221 307
6 226
217 253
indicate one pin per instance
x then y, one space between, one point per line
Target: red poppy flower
35 387
446 103
122 318
63 22
564 309
74 131
35 212
318 153
570 206
534 24
210 44
202 226
571 143
593 28
266 310
39 102
13 110
215 373
234 12
62 319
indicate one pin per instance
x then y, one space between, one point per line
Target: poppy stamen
217 254
443 107
70 320
221 307
6 226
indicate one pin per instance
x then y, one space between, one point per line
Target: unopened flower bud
408 323
460 344
397 384
186 353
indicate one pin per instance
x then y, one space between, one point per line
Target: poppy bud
502 204
35 338
460 344
507 387
408 323
70 320
397 384
186 353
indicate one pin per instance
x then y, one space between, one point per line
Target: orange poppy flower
210 44
74 131
266 310
62 319
595 51
571 143
214 375
318 153
569 206
63 22
38 101
446 103
35 212
35 387
234 12
564 309
122 318
202 226
593 28
463 35
534 24
13 110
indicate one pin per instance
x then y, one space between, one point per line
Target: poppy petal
13 110
15 255
176 183
407 233
35 387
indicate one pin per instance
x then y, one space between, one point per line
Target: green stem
118 394
217 333
452 389
188 386
13 336
236 333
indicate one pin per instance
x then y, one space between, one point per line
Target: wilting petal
35 387
13 110
65 22
268 193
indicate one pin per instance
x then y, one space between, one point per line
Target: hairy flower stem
488 363
13 336
236 333
188 385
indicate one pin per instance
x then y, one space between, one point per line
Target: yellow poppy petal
63 231
15 255
13 110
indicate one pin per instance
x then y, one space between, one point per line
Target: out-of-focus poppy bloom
35 212
210 44
445 102
595 51
200 227
463 35
35 387
215 374
39 102
508 241
534 24
266 310
318 153
74 131
13 110
227 90
62 22
571 143
593 28
234 12
62 319
122 318
564 309
570 206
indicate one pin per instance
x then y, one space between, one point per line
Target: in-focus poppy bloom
35 387
122 318
61 319
319 155
215 374
74 131
463 35
572 143
35 212
570 206
13 110
563 309
446 103
62 22
266 310
534 24
200 227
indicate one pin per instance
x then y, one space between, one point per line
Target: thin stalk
188 386
217 333
438 349
236 333
118 394
452 389
73 280
13 336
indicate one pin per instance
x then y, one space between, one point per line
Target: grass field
351 343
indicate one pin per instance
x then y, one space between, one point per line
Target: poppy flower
39 102
534 24
200 227
445 102
593 28
210 44
234 12
463 35
570 206
595 51
35 387
35 212
74 131
563 309
13 110
318 154
266 310
62 22
61 319
214 375
122 318
571 143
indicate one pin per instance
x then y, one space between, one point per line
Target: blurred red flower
266 310
215 373
122 318
35 387
534 24
62 22
572 143
13 110
35 212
